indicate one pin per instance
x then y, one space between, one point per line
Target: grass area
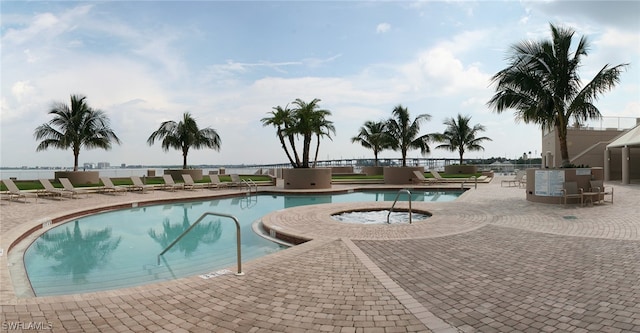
27 185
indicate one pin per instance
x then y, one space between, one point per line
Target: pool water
120 248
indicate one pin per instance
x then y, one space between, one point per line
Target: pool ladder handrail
404 190
250 184
239 254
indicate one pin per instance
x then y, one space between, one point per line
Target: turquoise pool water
119 249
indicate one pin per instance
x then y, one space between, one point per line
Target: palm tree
403 133
373 135
542 84
282 120
185 135
460 136
75 126
306 120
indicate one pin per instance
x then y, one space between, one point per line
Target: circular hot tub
380 216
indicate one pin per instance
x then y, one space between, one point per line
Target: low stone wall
176 174
79 177
373 170
460 169
400 175
307 178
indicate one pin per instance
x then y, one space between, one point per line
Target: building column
625 165
607 164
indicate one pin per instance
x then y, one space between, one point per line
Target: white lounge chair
14 191
139 185
49 189
420 178
66 184
171 185
110 187
189 184
216 183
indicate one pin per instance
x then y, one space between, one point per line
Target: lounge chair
441 179
420 178
597 186
171 185
14 191
49 189
110 187
139 185
216 183
236 181
66 184
570 190
189 184
517 180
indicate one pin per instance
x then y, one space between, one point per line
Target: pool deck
488 262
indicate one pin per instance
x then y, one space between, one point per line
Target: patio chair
189 184
171 185
597 186
517 180
570 190
110 187
14 191
420 178
66 184
139 185
49 189
216 183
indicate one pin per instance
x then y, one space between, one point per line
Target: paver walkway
489 262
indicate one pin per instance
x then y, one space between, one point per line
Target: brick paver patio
488 262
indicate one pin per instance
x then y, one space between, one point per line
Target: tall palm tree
310 121
404 133
373 135
460 136
75 126
184 135
282 120
543 86
306 120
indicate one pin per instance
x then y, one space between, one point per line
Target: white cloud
383 27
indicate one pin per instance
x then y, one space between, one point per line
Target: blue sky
229 62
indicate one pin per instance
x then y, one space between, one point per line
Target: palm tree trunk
375 158
284 146
306 150
315 159
292 142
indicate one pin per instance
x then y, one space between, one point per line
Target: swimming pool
120 248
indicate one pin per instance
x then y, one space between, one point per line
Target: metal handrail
198 221
396 200
250 183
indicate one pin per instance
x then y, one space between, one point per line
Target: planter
545 185
79 177
373 170
176 174
400 175
458 169
307 178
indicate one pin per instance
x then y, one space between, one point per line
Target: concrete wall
307 178
400 175
583 145
569 176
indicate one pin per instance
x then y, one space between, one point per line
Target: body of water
35 174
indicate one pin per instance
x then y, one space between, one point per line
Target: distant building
104 165
89 166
